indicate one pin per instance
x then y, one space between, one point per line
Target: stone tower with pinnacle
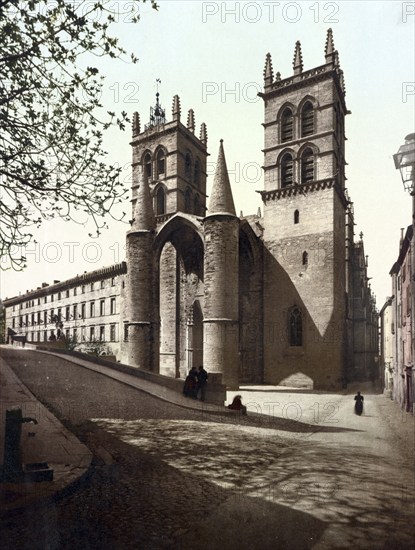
221 276
173 158
304 220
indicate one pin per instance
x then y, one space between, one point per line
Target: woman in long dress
358 406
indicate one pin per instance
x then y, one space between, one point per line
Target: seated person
236 404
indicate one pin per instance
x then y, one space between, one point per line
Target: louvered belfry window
287 167
161 163
307 166
287 125
147 165
307 120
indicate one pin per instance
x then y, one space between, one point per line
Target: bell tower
173 159
304 219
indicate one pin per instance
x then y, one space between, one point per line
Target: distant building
278 298
388 341
80 310
402 315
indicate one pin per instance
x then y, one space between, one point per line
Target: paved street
309 474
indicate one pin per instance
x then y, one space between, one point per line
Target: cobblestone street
168 477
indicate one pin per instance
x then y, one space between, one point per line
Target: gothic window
187 201
307 166
287 167
296 216
307 120
147 165
295 327
188 166
287 125
305 258
197 173
161 163
160 202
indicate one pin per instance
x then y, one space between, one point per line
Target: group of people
195 383
195 386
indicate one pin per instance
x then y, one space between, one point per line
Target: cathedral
280 297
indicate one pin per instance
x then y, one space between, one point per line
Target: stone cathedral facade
277 298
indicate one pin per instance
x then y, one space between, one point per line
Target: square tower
304 223
174 160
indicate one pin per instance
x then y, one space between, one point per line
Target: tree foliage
52 161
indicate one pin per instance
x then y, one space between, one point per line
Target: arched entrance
179 306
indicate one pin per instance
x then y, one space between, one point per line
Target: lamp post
405 162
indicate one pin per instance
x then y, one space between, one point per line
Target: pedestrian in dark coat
190 384
202 378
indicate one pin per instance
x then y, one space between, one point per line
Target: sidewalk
52 443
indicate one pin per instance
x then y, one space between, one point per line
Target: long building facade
397 318
277 298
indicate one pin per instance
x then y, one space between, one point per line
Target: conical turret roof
221 199
144 219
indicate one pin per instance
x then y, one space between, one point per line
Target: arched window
188 201
295 327
160 201
307 166
147 165
197 173
188 166
287 167
305 258
287 125
307 119
161 163
296 216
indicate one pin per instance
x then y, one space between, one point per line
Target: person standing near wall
202 377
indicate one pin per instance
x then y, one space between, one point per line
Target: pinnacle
203 133
176 110
329 49
136 124
268 70
221 199
191 120
298 58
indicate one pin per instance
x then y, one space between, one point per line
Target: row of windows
307 123
91 333
59 295
157 169
192 203
70 313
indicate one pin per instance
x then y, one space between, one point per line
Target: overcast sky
212 54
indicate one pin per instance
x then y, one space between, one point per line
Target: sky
212 55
